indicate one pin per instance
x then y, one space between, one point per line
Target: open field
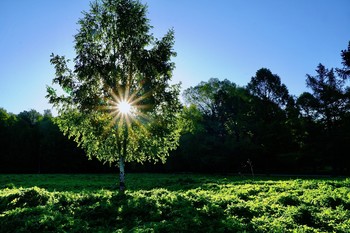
173 203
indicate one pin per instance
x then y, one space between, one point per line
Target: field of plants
173 203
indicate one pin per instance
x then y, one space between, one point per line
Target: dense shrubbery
185 203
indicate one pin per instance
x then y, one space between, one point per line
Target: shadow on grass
144 211
134 181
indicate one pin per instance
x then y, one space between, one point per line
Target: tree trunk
121 161
121 174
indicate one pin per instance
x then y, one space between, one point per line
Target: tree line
30 142
257 128
262 127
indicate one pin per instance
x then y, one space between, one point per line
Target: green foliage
197 204
118 59
326 111
268 87
240 124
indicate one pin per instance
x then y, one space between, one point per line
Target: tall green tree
118 103
268 87
269 110
329 100
328 107
224 124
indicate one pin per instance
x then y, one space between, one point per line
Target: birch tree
117 102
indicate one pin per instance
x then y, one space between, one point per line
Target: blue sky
225 39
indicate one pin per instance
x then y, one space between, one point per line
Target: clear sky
225 39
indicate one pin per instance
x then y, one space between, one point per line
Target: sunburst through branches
125 107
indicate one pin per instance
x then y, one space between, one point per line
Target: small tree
118 104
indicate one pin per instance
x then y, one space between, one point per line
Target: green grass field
172 203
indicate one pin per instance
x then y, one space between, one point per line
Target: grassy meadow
172 203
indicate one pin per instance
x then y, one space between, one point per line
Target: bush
212 205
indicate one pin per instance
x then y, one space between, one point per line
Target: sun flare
127 108
124 107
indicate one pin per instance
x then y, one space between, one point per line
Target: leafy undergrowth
173 203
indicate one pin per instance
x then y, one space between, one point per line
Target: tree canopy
118 60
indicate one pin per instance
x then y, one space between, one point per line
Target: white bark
121 174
